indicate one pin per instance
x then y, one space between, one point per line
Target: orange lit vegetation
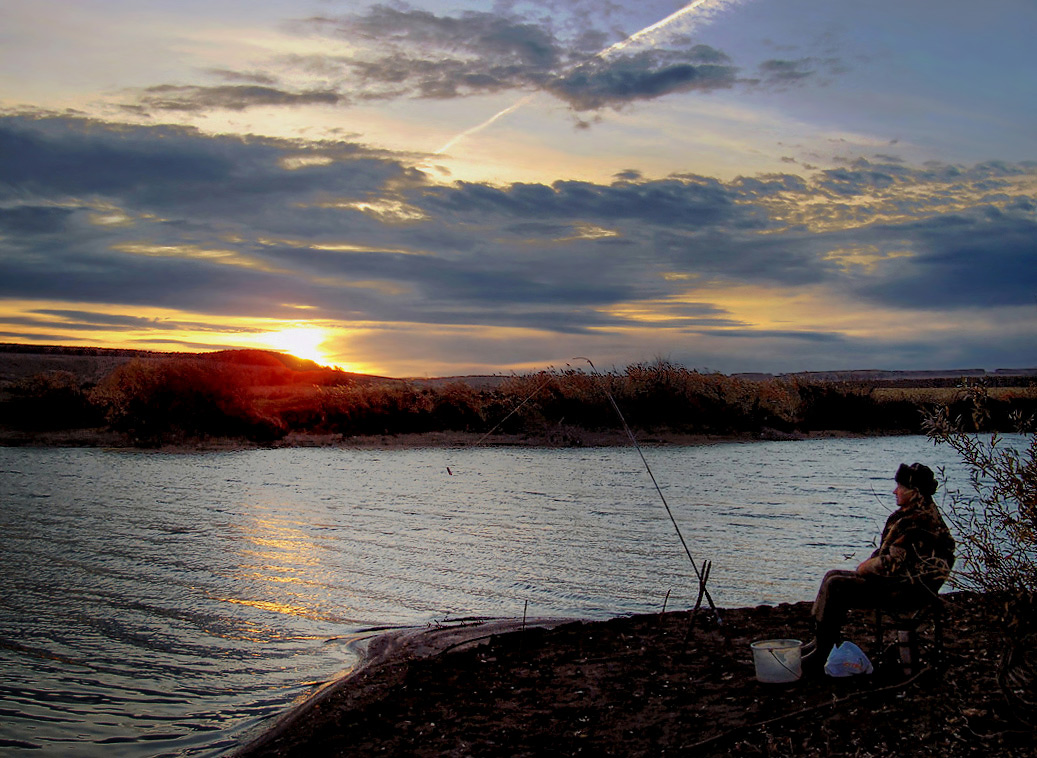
264 397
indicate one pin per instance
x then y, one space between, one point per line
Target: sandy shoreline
650 685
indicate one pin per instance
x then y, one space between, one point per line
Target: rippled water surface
158 604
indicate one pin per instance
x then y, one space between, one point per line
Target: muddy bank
654 685
108 439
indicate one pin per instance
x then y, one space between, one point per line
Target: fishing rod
514 410
698 572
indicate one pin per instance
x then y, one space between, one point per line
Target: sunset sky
454 187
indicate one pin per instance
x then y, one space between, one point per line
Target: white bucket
778 660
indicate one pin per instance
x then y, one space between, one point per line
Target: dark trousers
842 591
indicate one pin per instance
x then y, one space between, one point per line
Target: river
167 604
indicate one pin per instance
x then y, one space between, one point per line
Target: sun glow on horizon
301 341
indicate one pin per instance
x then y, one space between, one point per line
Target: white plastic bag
847 659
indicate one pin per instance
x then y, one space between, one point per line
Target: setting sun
302 342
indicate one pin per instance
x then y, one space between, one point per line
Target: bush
996 525
48 401
997 520
156 401
384 408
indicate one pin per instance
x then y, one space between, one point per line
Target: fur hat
917 477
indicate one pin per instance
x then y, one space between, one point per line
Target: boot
819 649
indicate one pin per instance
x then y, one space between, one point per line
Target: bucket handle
781 663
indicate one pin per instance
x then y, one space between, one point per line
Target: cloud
977 259
695 203
236 97
34 219
647 75
253 77
415 53
129 217
169 171
93 320
629 174
779 334
55 338
398 52
486 35
785 72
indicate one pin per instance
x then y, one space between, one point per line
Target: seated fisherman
913 560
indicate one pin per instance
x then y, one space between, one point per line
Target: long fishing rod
513 412
666 505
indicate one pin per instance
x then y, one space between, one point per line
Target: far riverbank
105 438
249 398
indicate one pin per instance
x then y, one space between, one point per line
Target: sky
450 187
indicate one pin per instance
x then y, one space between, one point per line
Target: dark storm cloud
235 97
93 213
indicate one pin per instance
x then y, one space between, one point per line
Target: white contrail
706 10
475 129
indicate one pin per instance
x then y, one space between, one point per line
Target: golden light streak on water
266 605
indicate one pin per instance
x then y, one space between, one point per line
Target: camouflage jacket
916 546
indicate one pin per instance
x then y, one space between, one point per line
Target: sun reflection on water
273 557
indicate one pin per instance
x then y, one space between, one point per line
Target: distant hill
91 364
